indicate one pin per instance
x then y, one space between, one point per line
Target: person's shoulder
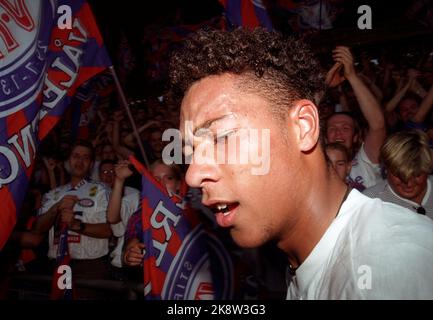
131 196
56 191
376 190
130 191
97 188
391 244
97 183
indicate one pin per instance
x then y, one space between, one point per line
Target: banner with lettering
182 261
47 50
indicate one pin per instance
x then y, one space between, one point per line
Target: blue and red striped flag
182 261
91 96
41 66
247 13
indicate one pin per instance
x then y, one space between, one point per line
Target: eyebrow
207 124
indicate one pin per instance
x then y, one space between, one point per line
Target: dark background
393 31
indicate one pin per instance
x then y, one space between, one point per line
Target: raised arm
368 104
115 202
424 108
401 91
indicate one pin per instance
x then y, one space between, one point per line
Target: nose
201 172
338 132
410 183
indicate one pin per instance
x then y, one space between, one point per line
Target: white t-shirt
93 204
130 202
363 171
372 250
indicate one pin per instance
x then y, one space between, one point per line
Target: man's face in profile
216 122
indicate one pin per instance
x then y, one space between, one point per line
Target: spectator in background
124 201
404 110
170 178
81 205
343 127
107 155
106 172
339 158
407 160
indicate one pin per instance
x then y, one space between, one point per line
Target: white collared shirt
91 208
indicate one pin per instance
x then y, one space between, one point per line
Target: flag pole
128 111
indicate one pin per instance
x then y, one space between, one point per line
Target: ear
306 119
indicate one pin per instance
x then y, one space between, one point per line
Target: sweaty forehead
208 96
220 97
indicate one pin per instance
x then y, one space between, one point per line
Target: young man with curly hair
339 243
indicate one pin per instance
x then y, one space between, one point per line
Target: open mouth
225 213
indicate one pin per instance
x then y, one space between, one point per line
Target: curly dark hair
286 69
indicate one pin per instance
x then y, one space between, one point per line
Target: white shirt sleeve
363 170
129 205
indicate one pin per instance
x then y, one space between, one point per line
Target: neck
324 195
76 180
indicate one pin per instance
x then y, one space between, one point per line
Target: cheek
348 135
170 185
393 182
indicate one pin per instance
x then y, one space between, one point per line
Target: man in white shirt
235 84
82 205
407 160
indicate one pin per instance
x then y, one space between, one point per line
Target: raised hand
334 76
122 170
67 202
49 163
344 56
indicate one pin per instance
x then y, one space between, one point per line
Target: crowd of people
376 130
